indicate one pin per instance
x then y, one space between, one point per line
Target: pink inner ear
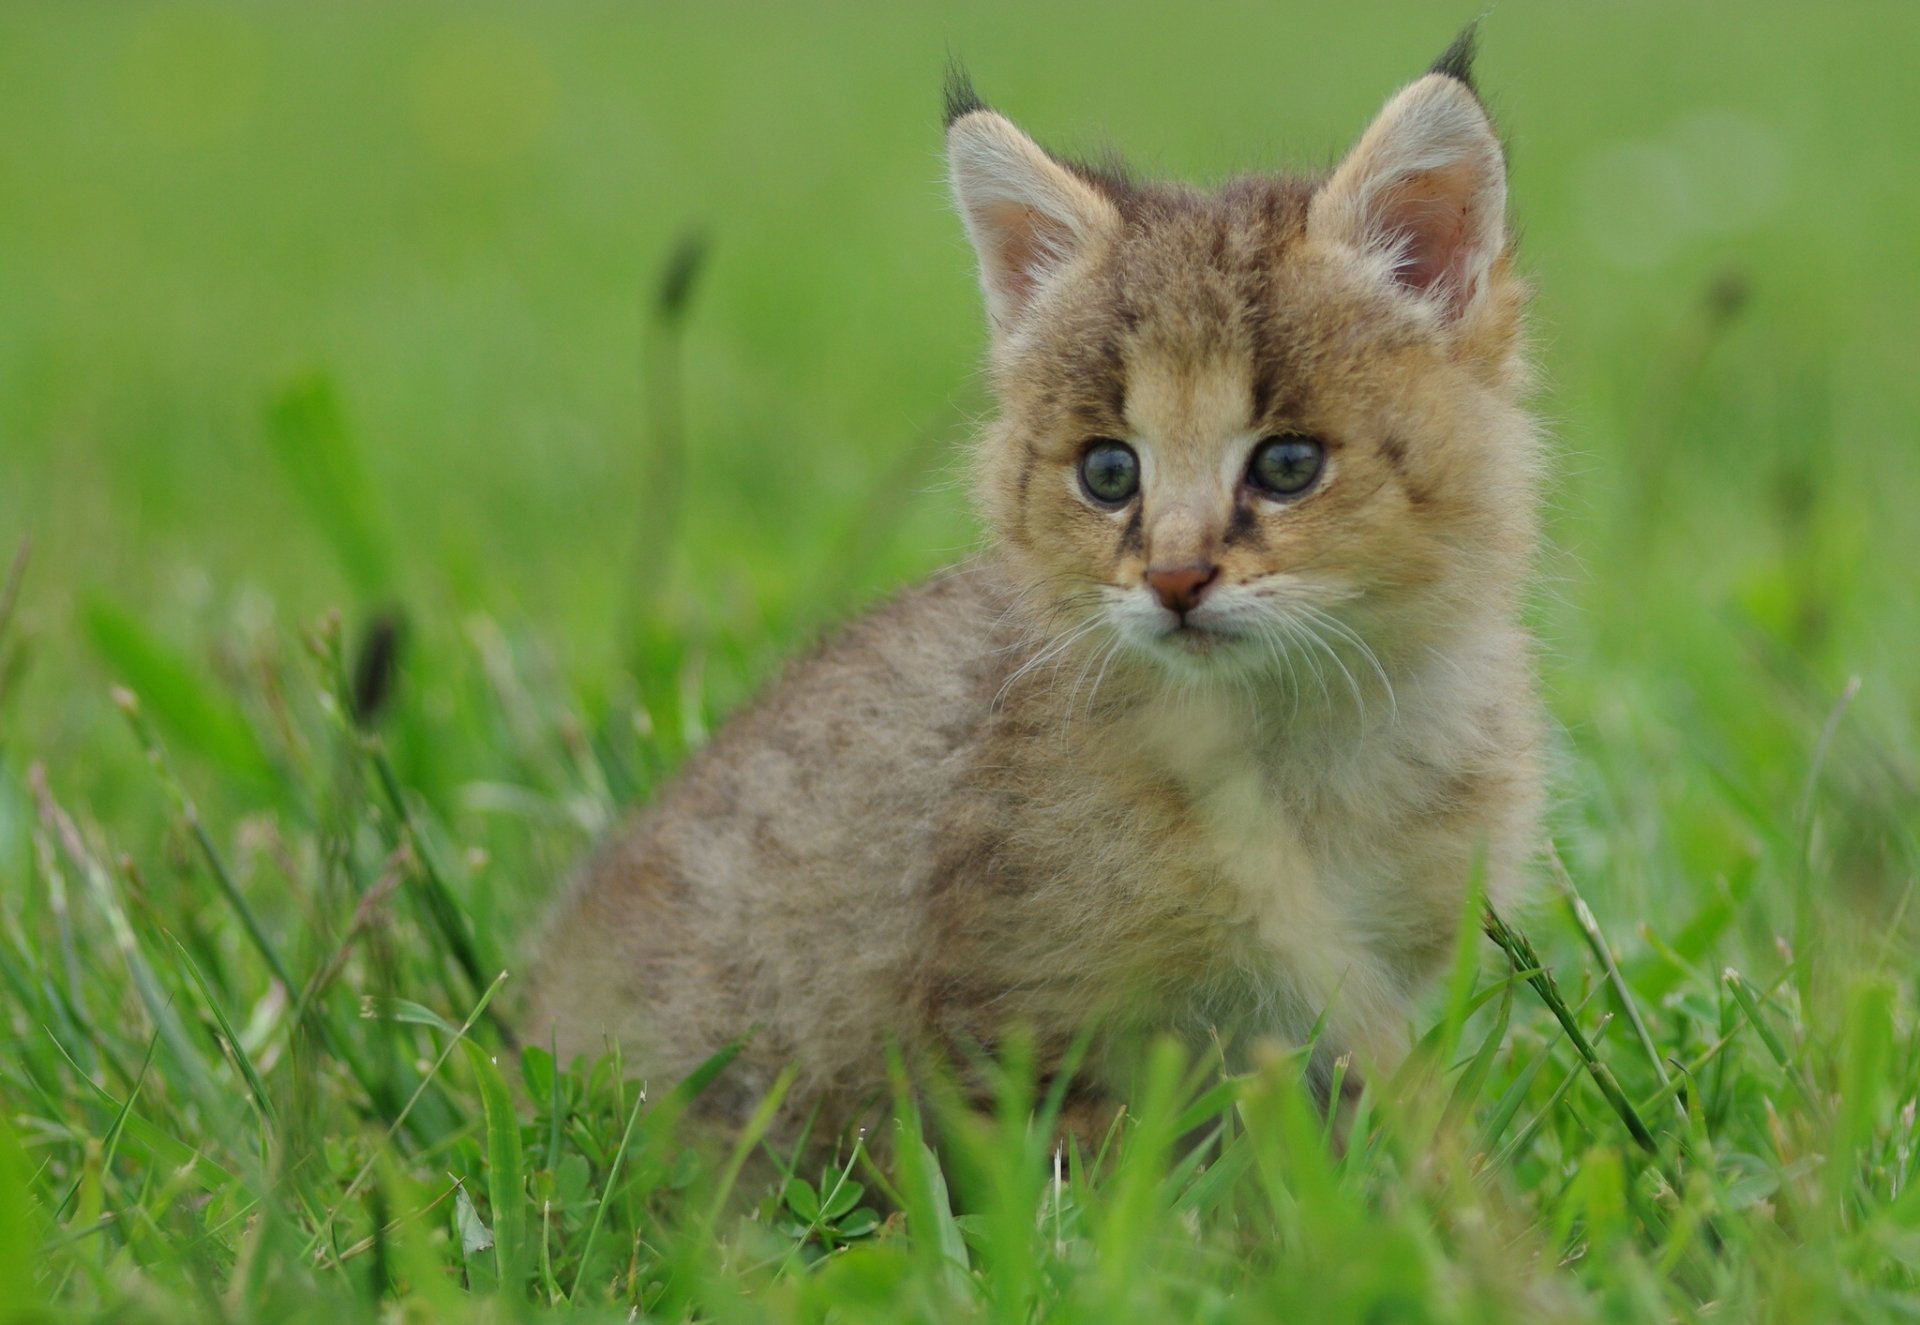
1024 241
1429 217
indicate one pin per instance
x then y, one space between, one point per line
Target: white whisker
1313 635
1106 661
1047 654
1347 633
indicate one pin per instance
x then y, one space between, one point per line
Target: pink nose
1180 588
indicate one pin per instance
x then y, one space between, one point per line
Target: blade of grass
664 484
10 591
112 1140
506 1172
938 1243
158 1147
606 1199
1520 1139
444 911
1743 994
307 433
750 1135
1467 1089
407 1012
1508 1105
130 706
322 1234
651 1131
1520 953
19 1238
153 995
1589 927
9 599
230 1041
197 715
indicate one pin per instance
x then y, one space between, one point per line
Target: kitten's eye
1110 471
1286 466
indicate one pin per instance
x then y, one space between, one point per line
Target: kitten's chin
1197 641
1203 650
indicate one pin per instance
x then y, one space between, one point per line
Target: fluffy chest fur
1248 831
1242 865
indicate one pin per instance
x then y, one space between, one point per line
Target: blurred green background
317 315
452 220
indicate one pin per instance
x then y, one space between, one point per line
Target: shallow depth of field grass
428 422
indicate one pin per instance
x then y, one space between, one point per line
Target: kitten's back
797 841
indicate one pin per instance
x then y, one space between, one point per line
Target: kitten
1215 736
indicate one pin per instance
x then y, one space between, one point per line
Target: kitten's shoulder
948 632
884 696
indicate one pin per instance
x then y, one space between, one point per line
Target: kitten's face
1270 427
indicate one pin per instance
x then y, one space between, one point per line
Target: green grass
322 327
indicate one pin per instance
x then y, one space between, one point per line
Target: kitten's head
1233 421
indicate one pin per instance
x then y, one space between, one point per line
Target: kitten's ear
1425 190
1027 214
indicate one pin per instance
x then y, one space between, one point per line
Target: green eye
1109 471
1286 466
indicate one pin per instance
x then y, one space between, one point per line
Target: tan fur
1010 799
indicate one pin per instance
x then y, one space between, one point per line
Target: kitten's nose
1180 588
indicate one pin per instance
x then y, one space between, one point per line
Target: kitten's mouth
1195 639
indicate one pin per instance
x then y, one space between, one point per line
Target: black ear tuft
1456 61
961 98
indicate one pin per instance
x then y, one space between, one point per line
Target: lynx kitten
1215 736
